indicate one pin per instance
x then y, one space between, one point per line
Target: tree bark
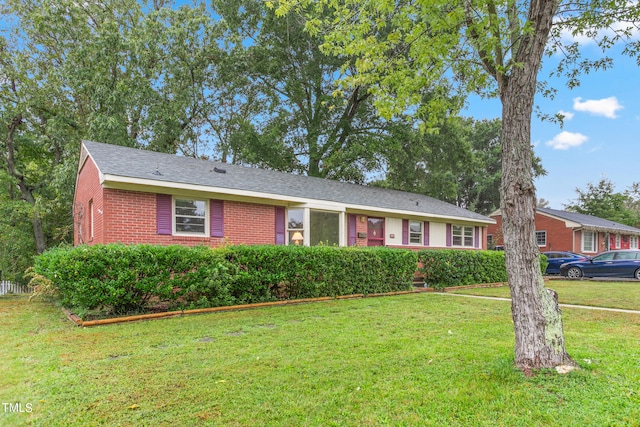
537 319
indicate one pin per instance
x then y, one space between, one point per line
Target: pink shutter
449 235
164 214
405 231
216 210
280 226
351 229
425 230
476 240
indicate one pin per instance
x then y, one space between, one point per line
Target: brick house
132 196
569 231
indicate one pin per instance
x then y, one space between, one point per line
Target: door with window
375 232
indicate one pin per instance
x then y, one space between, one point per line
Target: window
625 255
617 241
633 242
305 226
607 256
91 219
295 226
190 216
541 238
415 232
462 235
324 228
589 241
489 240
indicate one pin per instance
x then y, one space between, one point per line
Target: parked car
619 263
557 258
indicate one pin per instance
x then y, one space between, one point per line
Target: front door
375 232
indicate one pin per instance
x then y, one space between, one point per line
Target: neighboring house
131 196
568 231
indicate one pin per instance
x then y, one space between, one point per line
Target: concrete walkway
587 307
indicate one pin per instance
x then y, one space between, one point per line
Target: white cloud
565 140
568 115
606 107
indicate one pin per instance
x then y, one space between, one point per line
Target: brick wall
361 227
249 223
559 237
88 190
130 217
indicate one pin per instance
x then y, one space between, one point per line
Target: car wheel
637 274
574 273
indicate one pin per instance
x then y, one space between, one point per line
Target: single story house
558 230
130 196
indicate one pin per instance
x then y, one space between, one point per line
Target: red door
375 232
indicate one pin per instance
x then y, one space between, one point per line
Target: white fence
13 288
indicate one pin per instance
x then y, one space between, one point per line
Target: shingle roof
167 169
589 222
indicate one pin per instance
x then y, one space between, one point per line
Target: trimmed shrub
267 273
451 267
122 279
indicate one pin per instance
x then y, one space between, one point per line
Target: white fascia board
150 185
375 211
153 186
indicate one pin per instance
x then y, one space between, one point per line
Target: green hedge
122 279
292 272
451 267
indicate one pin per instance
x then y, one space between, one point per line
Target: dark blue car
619 263
557 258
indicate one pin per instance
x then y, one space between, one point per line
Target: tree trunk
25 191
537 319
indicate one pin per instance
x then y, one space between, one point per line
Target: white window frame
306 225
463 235
618 244
594 242
541 233
174 217
633 242
416 235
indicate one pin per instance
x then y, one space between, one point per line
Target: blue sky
600 137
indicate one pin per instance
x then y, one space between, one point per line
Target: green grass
420 359
625 295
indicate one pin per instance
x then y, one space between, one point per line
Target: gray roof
167 169
590 222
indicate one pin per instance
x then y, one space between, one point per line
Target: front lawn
625 295
419 359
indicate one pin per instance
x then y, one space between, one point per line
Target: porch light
297 237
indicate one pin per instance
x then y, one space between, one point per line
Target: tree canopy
603 201
218 79
403 50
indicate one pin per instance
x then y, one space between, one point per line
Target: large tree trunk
537 319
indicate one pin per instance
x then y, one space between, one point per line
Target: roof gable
166 170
